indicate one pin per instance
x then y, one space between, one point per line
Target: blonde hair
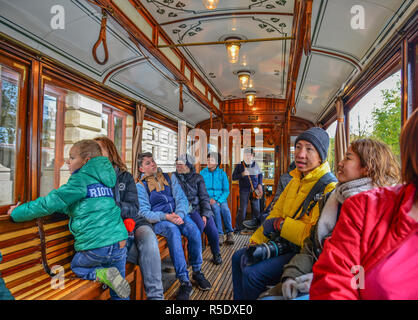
88 148
381 164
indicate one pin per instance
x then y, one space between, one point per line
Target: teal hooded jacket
87 198
4 292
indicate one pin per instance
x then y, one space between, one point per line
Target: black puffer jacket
126 197
194 188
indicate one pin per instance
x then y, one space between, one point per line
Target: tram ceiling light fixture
250 97
232 49
256 130
244 77
210 4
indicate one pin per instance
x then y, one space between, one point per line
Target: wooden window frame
21 67
112 113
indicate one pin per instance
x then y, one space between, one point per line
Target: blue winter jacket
217 184
154 205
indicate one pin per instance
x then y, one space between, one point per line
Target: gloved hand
272 226
304 282
289 289
247 258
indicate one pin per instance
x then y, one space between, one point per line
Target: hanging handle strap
102 38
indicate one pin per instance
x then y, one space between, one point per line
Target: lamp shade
233 51
244 79
210 4
250 97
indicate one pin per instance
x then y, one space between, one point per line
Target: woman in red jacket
372 253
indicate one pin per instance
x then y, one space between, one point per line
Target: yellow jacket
290 200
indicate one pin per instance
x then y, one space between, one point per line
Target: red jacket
371 226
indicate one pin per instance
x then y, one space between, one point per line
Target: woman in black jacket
145 252
200 210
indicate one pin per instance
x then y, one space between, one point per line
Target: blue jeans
173 234
249 282
145 253
244 197
222 213
85 263
209 229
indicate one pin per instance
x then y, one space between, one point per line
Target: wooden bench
31 249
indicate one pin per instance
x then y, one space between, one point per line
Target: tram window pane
128 141
378 114
48 140
69 117
292 148
9 81
162 143
117 133
331 150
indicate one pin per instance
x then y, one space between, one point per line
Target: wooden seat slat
20 246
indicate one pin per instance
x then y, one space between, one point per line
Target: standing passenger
95 219
217 186
250 179
145 252
372 253
163 203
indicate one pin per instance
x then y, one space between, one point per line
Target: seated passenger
250 180
4 292
163 203
144 252
217 186
201 213
289 222
367 164
95 220
283 181
372 253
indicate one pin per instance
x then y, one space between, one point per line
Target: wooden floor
219 276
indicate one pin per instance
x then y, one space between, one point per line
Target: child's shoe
114 280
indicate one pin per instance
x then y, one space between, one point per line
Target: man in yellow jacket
291 217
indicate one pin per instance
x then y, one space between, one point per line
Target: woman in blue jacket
217 186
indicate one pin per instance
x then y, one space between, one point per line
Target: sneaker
230 238
201 282
184 291
217 259
250 224
221 239
114 280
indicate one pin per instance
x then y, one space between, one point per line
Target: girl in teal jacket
95 219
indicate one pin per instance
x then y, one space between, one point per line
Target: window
162 143
378 114
69 117
331 150
13 124
292 148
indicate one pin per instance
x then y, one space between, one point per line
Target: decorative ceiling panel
189 22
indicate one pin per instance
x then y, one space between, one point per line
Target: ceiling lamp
244 79
233 50
256 130
210 4
250 97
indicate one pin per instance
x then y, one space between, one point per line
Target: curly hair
381 164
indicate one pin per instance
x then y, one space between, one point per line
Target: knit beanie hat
319 139
188 160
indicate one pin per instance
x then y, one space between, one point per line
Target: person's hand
9 212
260 190
304 282
205 220
289 289
271 226
174 218
246 172
212 201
